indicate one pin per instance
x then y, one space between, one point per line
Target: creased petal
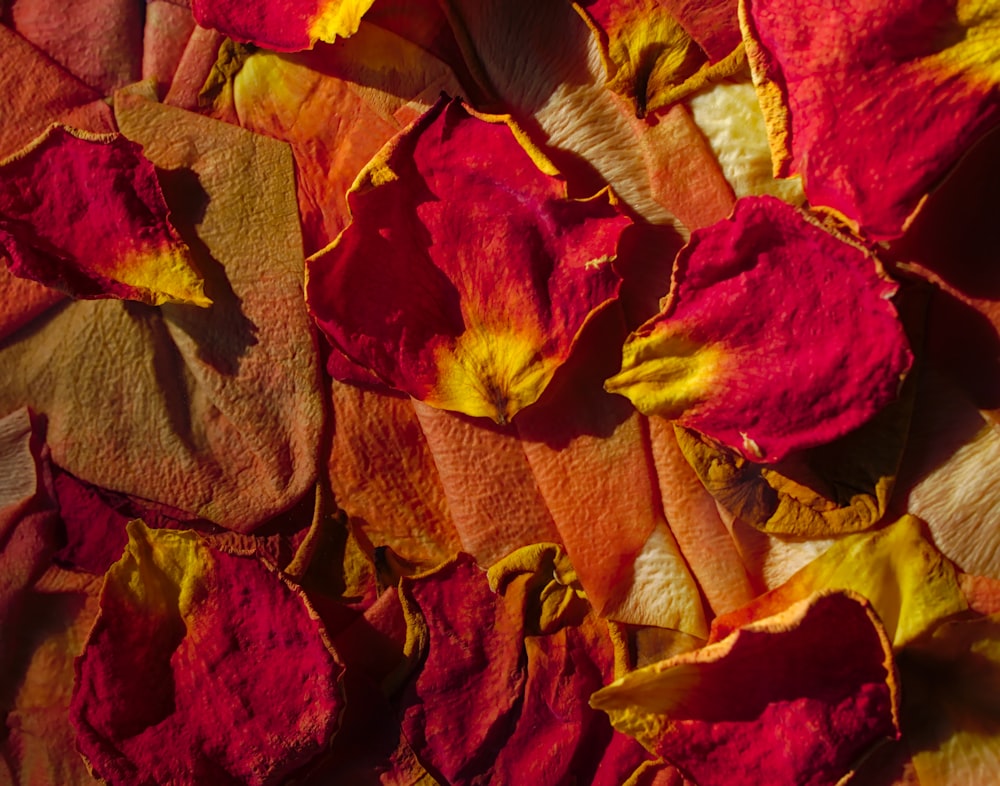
874 105
649 55
909 584
282 25
498 700
486 270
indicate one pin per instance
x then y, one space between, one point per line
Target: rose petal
379 82
122 243
492 493
98 41
649 56
874 108
195 632
437 210
582 125
776 336
282 25
795 698
694 520
909 584
40 743
843 486
951 701
490 705
384 477
215 411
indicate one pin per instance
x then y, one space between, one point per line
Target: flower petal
195 631
776 336
874 105
216 411
121 243
799 697
282 25
487 270
495 701
648 54
908 582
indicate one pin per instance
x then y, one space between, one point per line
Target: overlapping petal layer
466 274
650 57
753 353
842 486
196 633
501 695
120 242
214 411
799 697
873 103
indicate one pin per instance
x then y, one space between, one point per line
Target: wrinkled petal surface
120 243
795 698
282 25
776 336
216 411
198 634
496 702
650 57
873 105
909 584
466 274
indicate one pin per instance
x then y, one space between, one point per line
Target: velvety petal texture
751 345
199 634
466 274
874 108
120 242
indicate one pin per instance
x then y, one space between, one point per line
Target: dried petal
649 56
196 633
843 486
799 697
282 25
950 703
874 108
487 270
776 336
494 706
909 584
215 411
120 242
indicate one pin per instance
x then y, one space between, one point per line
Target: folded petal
487 270
843 486
384 477
909 583
498 700
776 336
648 54
121 243
799 697
217 411
196 632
